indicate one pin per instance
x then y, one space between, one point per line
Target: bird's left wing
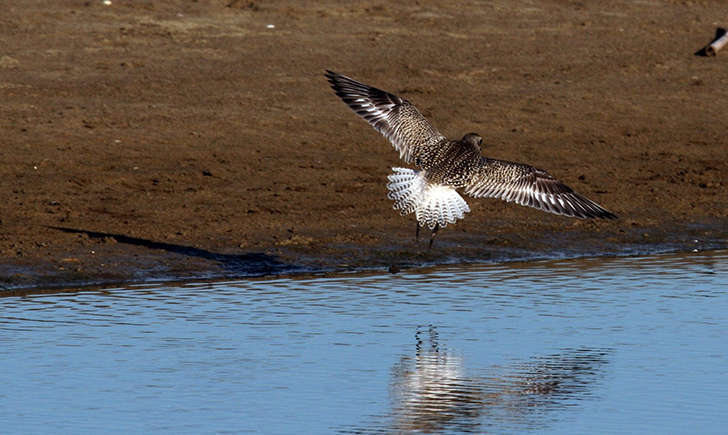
396 118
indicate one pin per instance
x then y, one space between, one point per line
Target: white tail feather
405 189
433 204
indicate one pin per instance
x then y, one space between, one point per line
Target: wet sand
177 139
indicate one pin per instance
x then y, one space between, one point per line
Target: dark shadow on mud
243 265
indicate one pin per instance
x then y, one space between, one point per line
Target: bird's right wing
394 117
532 187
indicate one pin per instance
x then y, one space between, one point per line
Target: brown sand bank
185 139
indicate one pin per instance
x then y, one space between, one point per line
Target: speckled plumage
446 165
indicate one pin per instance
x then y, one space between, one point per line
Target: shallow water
578 346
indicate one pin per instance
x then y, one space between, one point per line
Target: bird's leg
434 233
417 233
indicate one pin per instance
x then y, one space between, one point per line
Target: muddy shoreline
122 260
193 140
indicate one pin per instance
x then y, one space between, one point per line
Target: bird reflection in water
432 391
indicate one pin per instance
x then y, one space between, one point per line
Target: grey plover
447 165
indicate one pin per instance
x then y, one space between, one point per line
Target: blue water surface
614 345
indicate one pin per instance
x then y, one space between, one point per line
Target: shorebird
447 165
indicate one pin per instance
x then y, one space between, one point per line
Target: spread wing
526 185
396 118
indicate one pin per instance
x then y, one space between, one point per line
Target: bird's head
472 138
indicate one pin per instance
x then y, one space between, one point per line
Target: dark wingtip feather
603 214
609 215
596 211
331 77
